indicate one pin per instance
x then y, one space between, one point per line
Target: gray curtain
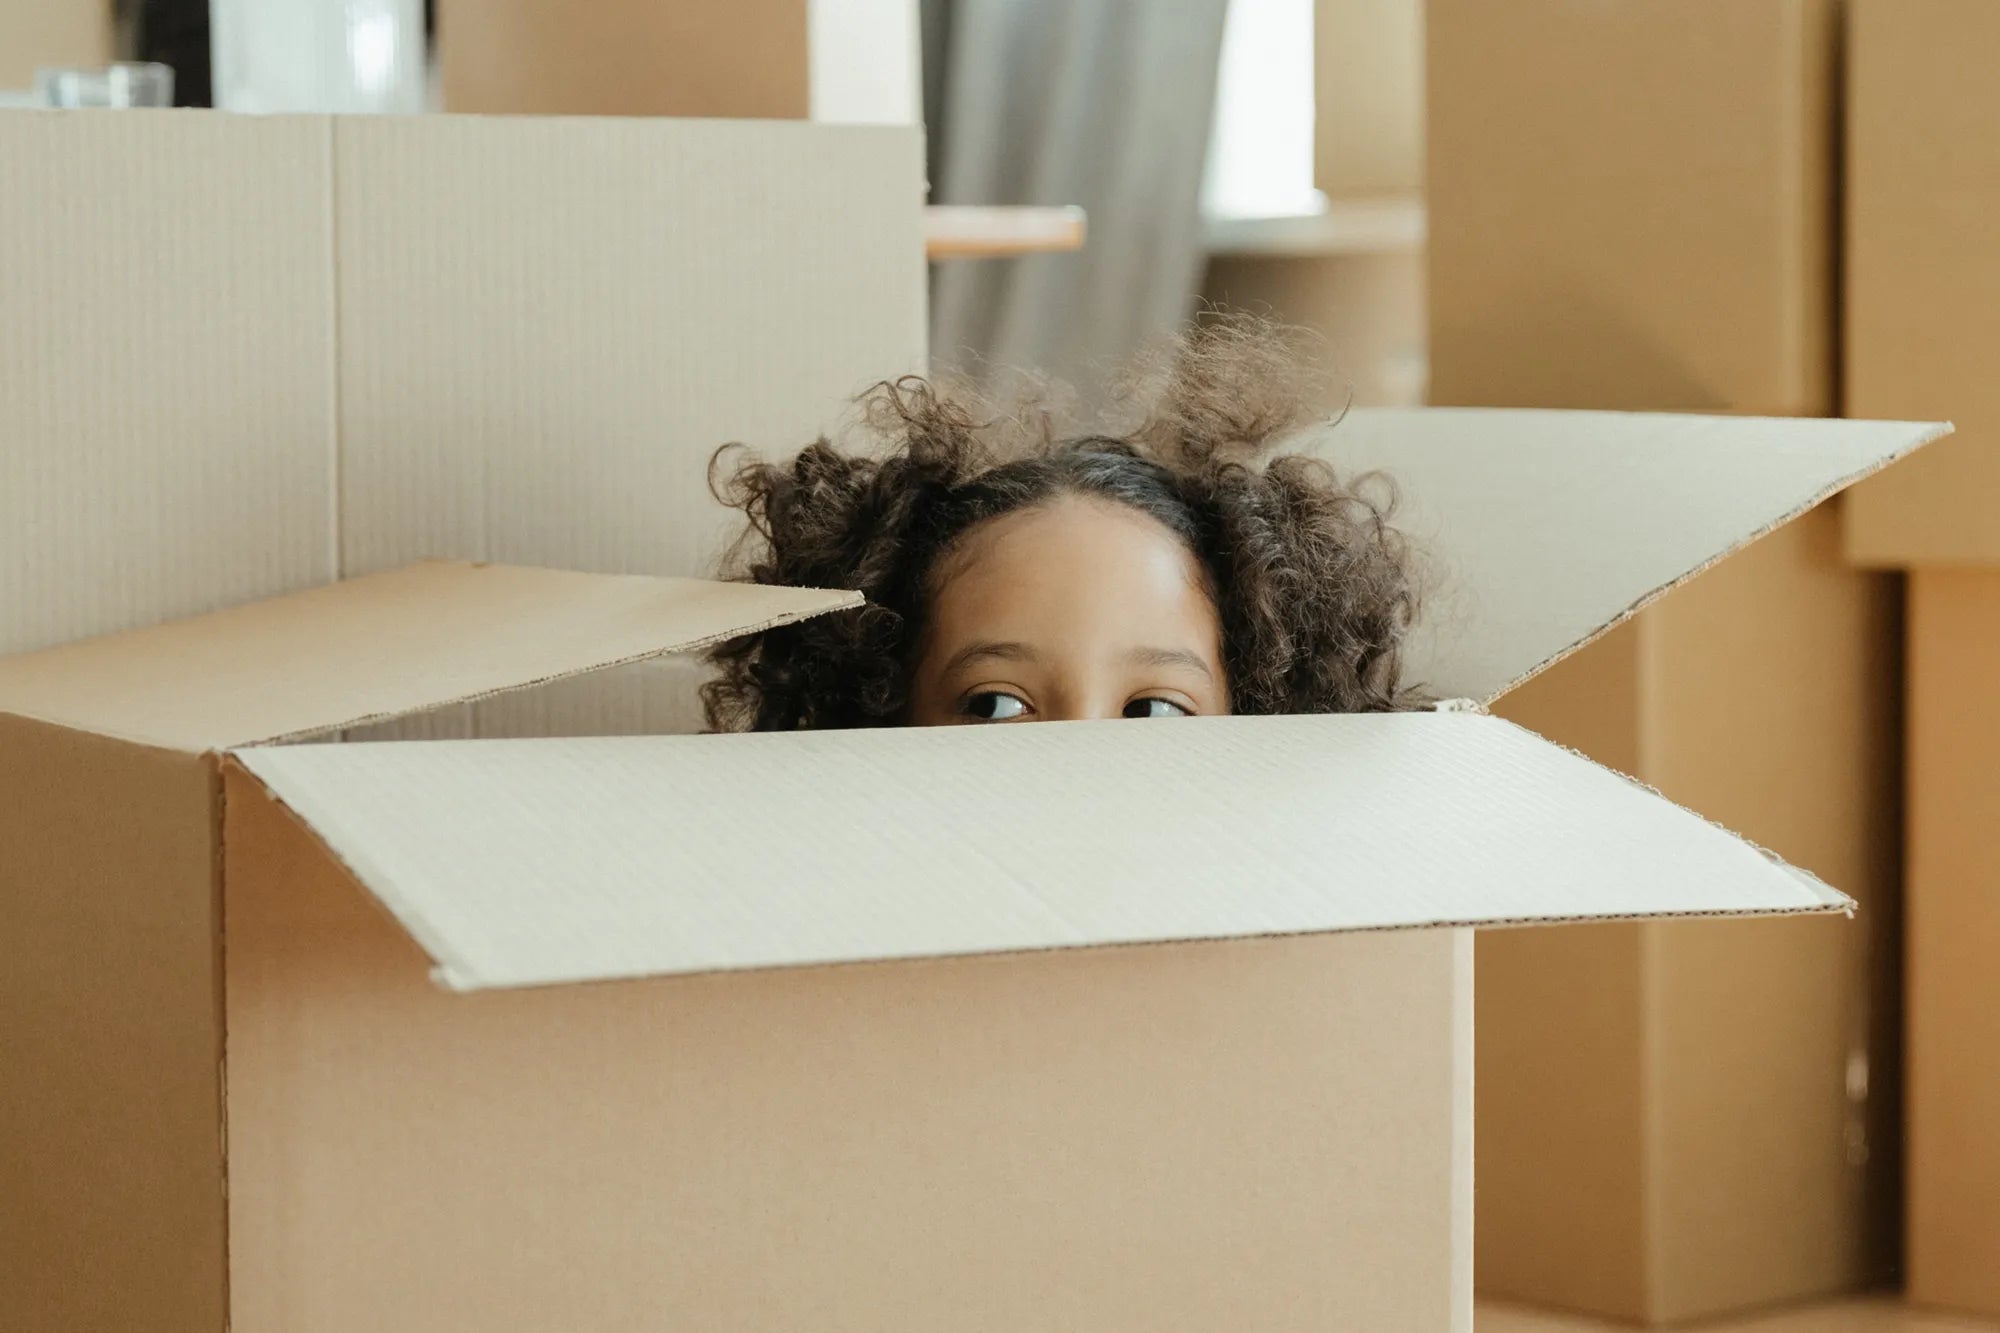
1102 103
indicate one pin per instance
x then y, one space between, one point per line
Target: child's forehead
1069 565
1067 537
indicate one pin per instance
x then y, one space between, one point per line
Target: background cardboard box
1923 286
1632 206
1923 270
1954 922
625 58
840 61
42 34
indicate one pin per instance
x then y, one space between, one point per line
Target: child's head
1162 571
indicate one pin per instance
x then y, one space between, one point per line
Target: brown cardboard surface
625 57
379 647
1247 1135
1923 270
1591 222
110 1037
41 34
1368 85
1773 706
166 367
1760 694
1954 918
1599 239
1560 1051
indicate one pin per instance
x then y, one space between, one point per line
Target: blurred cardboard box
844 61
1923 271
1923 286
52 34
1955 915
624 58
1632 206
240 1096
1368 84
1954 918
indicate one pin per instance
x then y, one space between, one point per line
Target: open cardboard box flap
380 647
1548 528
519 863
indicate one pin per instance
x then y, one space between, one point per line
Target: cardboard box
239 1101
1923 271
1632 206
1600 237
251 354
1368 85
854 62
45 34
624 58
1954 917
1923 276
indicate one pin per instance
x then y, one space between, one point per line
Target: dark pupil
1145 708
985 705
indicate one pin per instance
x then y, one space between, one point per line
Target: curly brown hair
1314 587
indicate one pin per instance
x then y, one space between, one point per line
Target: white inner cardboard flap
1545 528
517 863
381 646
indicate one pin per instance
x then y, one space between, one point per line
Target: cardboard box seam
219 919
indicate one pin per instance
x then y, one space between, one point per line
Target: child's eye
1155 708
995 706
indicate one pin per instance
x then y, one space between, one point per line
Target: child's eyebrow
999 650
1166 657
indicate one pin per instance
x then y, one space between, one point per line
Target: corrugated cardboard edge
1832 900
1935 432
453 975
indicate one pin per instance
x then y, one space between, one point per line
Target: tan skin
1018 634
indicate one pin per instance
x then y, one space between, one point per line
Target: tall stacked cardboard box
1633 206
1923 331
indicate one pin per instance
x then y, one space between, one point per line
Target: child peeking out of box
1178 565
